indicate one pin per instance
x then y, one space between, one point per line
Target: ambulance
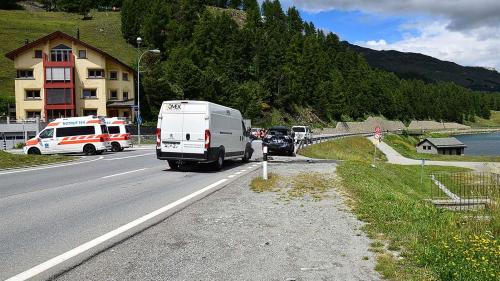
119 135
71 135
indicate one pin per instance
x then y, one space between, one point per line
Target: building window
125 95
58 96
96 73
33 114
113 94
125 76
82 54
90 112
113 75
24 74
38 54
32 94
58 74
89 94
60 53
125 114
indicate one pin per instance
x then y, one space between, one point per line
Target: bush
20 145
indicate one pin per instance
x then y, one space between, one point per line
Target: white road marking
124 173
49 167
237 173
244 170
231 176
133 156
101 239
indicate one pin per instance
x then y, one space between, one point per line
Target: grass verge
493 122
259 185
9 160
353 148
413 239
406 146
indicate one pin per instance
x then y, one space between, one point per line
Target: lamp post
139 118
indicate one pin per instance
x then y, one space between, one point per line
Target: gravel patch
237 234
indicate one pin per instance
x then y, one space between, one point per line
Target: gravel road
237 234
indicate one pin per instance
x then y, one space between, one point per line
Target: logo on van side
173 106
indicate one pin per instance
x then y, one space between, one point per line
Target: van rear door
171 132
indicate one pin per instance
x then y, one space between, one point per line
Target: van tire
89 149
219 163
116 147
174 164
34 151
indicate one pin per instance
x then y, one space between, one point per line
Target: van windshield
299 129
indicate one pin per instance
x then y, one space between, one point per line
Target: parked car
119 135
302 133
201 132
280 139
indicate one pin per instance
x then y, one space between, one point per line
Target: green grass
422 241
494 121
355 148
8 160
260 185
406 146
103 31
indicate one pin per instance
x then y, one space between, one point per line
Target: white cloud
462 14
473 48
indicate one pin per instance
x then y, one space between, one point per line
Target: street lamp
139 119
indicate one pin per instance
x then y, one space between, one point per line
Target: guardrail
322 138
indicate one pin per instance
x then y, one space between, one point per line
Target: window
75 131
113 94
58 96
46 134
96 73
32 94
114 129
113 75
90 112
33 114
25 73
58 74
38 54
104 129
125 76
60 53
125 95
82 54
125 114
89 94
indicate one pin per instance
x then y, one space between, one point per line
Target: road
45 212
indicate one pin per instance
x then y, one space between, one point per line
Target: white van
302 133
71 135
119 135
200 131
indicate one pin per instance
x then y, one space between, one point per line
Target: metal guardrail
322 138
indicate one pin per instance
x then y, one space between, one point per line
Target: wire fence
475 192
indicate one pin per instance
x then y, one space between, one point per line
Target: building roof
443 142
59 34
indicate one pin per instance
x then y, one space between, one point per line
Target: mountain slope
418 66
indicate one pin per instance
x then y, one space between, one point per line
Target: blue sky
463 31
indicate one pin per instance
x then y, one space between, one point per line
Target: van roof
76 121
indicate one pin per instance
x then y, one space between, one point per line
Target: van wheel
89 149
220 161
115 147
174 165
34 151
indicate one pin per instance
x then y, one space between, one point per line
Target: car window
299 129
47 134
104 129
114 129
75 131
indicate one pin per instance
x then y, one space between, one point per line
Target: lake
481 144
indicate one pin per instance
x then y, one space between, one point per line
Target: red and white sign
378 133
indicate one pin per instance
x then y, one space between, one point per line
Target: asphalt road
45 212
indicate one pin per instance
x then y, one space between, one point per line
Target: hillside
103 31
418 66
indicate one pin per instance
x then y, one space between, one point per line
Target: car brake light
158 137
207 139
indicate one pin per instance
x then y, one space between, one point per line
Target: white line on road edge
231 176
101 239
50 167
237 173
129 172
244 170
133 156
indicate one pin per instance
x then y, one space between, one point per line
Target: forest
265 62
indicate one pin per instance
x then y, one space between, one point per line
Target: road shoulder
236 233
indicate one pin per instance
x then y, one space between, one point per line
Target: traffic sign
378 130
377 136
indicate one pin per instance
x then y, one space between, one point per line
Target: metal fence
466 191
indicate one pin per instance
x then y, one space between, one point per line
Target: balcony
59 60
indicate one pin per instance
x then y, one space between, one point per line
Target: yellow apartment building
61 76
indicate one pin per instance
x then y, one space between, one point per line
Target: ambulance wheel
115 147
34 151
174 165
89 149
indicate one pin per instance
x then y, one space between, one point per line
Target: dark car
279 140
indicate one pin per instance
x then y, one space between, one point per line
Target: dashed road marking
124 173
133 156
